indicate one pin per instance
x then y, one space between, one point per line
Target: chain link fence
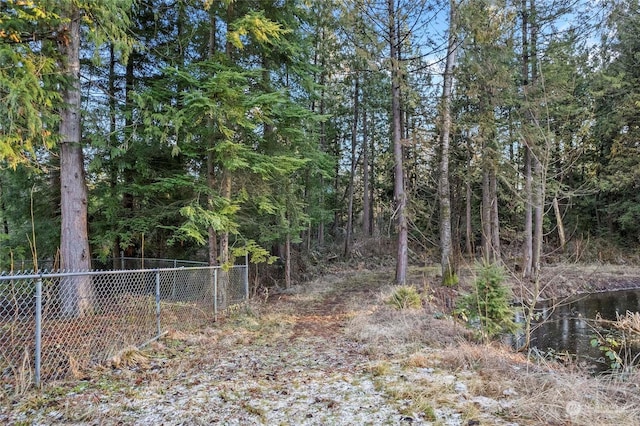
110 264
55 325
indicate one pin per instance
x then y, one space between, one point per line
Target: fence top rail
153 259
60 274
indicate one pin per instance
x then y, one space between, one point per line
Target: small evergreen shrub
489 306
405 297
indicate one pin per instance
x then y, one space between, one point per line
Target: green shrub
405 297
489 306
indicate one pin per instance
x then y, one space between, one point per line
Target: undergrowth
405 297
488 309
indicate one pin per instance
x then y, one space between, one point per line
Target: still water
568 325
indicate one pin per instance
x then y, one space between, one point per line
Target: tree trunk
449 276
113 142
352 176
226 174
469 203
527 249
211 184
366 205
495 219
76 292
372 187
3 211
287 261
212 237
468 226
323 145
486 215
539 155
400 196
561 236
224 238
538 215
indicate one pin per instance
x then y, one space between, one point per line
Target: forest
426 130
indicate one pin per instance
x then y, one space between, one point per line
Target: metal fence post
215 293
38 331
173 285
158 302
246 276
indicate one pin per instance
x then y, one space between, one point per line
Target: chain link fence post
246 276
215 294
38 332
159 330
174 283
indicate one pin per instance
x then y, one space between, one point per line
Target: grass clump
405 297
380 369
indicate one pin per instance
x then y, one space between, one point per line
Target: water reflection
567 325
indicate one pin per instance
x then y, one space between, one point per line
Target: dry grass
517 388
629 323
418 360
385 329
130 357
545 395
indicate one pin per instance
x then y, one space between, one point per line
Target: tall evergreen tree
31 36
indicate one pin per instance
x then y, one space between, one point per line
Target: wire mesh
17 332
87 318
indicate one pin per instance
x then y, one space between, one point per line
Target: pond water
568 325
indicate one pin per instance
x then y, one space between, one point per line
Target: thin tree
366 199
352 175
400 196
449 276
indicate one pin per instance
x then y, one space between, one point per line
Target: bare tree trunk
538 215
77 292
527 249
226 174
539 155
400 196
372 187
287 261
449 276
113 141
486 216
468 202
3 211
559 224
212 238
366 205
224 238
323 145
128 174
468 226
354 140
495 219
211 184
